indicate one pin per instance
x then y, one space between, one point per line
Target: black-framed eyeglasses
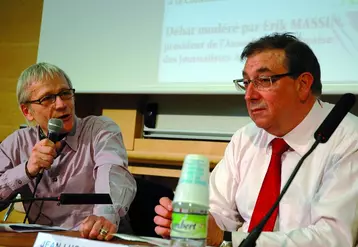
261 82
51 98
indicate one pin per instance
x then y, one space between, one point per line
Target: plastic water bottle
189 225
191 204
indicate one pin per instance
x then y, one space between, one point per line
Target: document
151 240
29 228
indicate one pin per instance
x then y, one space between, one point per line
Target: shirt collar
301 137
72 138
42 135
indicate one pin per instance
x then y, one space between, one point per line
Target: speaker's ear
150 115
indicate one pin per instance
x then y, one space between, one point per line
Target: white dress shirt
320 207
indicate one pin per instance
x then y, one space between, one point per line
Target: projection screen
189 46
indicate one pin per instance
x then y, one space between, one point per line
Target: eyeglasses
51 98
261 82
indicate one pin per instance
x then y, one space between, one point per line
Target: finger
160 221
88 218
48 150
44 162
86 226
96 228
46 159
45 146
47 142
166 203
113 229
162 231
39 152
39 162
161 211
44 149
106 226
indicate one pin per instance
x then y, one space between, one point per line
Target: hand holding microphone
42 156
44 152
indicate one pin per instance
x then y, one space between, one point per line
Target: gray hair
36 72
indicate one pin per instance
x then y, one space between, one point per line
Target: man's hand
164 217
42 156
215 234
97 227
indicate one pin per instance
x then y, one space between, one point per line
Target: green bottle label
186 225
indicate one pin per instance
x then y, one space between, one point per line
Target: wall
181 107
20 28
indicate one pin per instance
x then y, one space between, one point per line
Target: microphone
339 111
54 128
69 199
322 135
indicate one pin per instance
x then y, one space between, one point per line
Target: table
13 239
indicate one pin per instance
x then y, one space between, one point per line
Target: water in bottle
191 204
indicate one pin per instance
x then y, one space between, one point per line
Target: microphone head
335 117
55 125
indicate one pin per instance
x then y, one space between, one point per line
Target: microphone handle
52 136
250 240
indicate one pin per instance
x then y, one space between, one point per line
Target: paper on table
156 241
29 228
48 239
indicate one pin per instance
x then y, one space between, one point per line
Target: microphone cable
38 179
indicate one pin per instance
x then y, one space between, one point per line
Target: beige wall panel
129 121
20 21
177 146
15 58
8 85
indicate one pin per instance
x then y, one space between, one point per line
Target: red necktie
270 189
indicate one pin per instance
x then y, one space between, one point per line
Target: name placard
53 240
